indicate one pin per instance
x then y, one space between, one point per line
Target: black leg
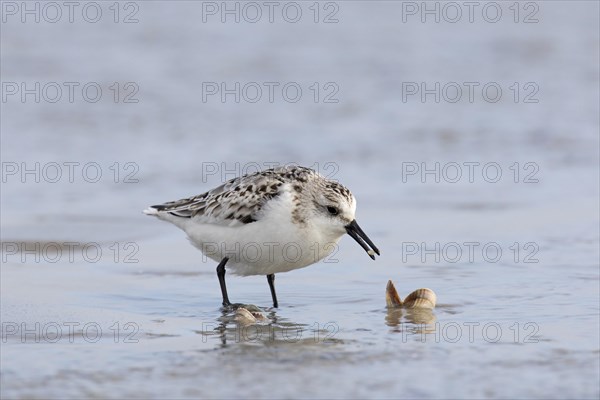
221 275
271 280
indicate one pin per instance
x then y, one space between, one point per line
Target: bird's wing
237 201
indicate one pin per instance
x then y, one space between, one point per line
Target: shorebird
272 221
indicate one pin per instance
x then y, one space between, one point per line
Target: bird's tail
158 212
150 211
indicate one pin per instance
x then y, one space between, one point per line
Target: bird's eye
332 210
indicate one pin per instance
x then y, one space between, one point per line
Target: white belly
271 245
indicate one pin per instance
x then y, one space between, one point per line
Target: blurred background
451 122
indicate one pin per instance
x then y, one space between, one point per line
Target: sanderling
268 222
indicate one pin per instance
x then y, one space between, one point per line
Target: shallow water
143 318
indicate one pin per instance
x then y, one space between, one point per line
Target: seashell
391 296
420 298
244 316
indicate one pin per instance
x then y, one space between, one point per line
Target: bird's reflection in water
417 321
266 329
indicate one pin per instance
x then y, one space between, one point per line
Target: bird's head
332 211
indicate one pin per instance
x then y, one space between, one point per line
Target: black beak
357 234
